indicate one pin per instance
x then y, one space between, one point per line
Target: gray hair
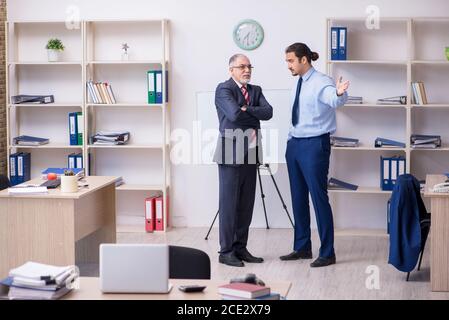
235 57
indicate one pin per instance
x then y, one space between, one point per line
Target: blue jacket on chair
406 211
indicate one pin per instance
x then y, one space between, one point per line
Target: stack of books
101 92
30 141
28 189
246 291
354 100
36 281
387 143
419 93
110 137
425 141
398 100
335 184
344 142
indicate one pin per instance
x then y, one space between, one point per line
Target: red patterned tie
252 139
245 94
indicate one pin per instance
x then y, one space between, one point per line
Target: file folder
13 169
23 167
158 86
391 168
79 161
382 142
334 43
151 83
150 214
80 128
338 184
71 161
159 222
342 43
73 132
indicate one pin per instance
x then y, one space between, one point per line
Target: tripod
262 195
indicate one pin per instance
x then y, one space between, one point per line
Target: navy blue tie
295 109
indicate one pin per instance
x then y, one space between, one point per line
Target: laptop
134 268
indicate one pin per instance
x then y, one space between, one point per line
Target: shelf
367 149
363 190
45 63
47 146
144 62
363 105
399 62
126 146
46 105
430 105
430 149
436 62
131 105
139 187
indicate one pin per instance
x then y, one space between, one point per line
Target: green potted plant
54 47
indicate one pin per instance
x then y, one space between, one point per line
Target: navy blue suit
237 173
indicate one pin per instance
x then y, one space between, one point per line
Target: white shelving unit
383 63
94 52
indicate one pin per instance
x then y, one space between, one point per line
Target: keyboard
51 184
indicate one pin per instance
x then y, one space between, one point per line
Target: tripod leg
280 196
211 226
262 195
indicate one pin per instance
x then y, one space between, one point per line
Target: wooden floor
344 280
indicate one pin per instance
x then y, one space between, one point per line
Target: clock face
248 34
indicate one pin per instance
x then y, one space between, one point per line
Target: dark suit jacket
406 211
231 147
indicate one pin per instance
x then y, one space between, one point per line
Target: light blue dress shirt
317 103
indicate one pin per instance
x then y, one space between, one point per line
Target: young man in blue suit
314 100
240 107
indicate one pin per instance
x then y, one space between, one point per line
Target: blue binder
73 128
71 164
23 167
334 43
390 169
79 160
13 169
158 86
342 42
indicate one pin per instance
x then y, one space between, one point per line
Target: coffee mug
69 184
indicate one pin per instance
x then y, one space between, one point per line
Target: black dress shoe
243 254
230 259
295 255
322 262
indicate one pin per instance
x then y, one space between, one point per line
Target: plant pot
53 55
69 184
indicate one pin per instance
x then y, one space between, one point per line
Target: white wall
201 43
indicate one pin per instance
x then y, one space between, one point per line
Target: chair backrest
188 263
4 182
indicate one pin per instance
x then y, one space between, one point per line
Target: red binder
150 214
159 204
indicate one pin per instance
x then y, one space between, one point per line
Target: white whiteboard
274 131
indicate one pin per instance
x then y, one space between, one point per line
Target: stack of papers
354 100
344 142
110 137
36 281
246 291
30 141
27 189
425 141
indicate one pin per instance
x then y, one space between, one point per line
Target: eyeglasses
243 67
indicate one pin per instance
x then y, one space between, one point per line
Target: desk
439 232
57 228
90 290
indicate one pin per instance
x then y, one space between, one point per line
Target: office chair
188 263
4 182
424 216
